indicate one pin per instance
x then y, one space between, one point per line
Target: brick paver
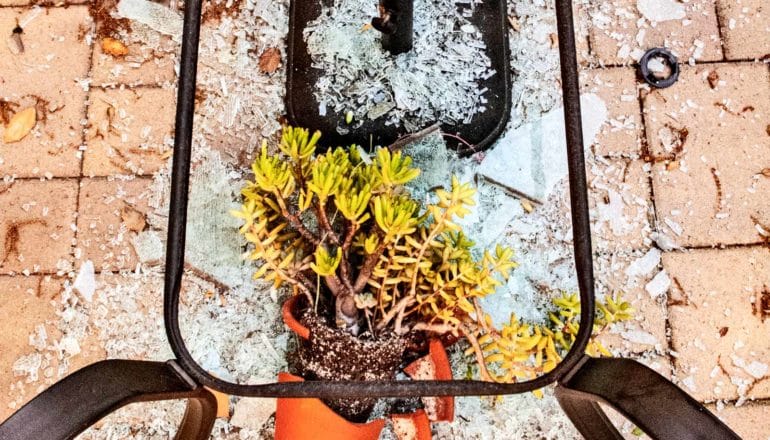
621 135
49 75
748 421
619 32
37 226
112 212
26 303
620 204
716 319
144 64
708 138
130 131
745 28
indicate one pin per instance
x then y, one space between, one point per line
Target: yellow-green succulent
340 227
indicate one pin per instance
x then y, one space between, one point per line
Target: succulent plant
343 230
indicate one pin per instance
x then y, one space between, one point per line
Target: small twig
435 328
463 141
207 277
402 304
483 371
413 137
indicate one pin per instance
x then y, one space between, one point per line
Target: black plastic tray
490 17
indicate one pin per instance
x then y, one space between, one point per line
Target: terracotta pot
328 353
311 419
434 366
288 314
414 426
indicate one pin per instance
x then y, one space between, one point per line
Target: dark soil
333 354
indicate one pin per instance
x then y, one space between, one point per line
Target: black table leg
647 399
81 399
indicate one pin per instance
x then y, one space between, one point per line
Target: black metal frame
81 399
656 405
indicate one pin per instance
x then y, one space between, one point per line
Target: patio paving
692 162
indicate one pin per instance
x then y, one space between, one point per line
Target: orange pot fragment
434 366
311 419
415 426
288 312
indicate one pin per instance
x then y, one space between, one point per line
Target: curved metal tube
81 399
178 218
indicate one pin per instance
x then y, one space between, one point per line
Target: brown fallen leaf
114 47
514 22
713 79
554 40
270 60
20 125
133 219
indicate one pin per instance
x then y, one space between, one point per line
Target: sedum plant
342 229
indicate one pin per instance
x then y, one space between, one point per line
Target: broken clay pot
330 353
288 312
414 426
434 366
308 418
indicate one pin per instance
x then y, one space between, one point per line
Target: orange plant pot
414 426
288 314
311 419
434 366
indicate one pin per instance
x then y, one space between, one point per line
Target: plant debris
133 218
270 60
713 79
7 109
20 125
216 9
15 43
114 47
106 24
760 306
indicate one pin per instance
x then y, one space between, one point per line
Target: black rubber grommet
650 76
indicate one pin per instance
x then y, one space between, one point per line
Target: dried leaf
133 219
20 125
713 79
554 40
114 47
15 43
514 22
270 60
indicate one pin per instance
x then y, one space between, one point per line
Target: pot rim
287 313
